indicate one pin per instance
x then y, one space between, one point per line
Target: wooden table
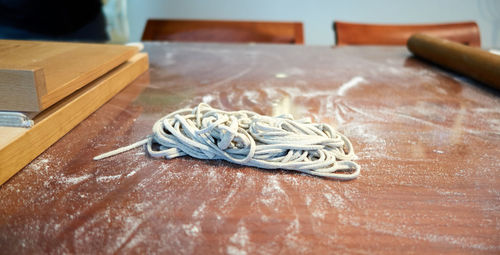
427 140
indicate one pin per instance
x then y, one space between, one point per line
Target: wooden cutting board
19 146
34 75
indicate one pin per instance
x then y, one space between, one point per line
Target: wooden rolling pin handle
473 62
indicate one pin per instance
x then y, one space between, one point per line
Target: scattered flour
108 178
131 173
239 241
208 99
240 237
73 180
350 84
335 200
272 193
198 213
231 250
192 229
297 207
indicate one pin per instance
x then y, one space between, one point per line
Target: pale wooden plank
66 68
10 134
17 89
18 148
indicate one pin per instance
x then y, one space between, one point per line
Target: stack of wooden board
59 85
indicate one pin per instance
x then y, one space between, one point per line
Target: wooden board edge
10 134
23 88
61 118
49 99
40 85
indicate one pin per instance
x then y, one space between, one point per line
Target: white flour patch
74 180
271 92
448 193
199 211
293 239
239 241
350 84
272 193
42 163
253 96
231 250
240 237
208 99
141 207
131 173
316 208
192 229
335 200
231 194
108 178
281 75
308 200
40 166
273 185
362 132
319 214
130 226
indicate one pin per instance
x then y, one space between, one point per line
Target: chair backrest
224 31
374 34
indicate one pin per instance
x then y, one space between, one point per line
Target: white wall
318 15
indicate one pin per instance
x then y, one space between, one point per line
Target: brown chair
370 34
223 31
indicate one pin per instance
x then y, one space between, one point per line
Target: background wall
318 15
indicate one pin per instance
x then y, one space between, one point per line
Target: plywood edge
10 134
56 95
21 89
59 119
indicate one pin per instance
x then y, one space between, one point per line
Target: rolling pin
473 62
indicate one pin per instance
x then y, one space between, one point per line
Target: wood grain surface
19 146
427 142
347 33
223 31
35 75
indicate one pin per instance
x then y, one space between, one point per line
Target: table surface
427 141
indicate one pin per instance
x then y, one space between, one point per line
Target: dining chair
223 31
348 33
